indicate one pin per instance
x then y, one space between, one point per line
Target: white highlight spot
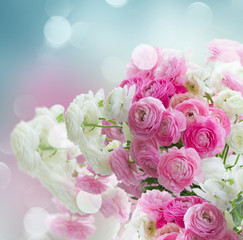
57 30
88 203
117 3
113 69
144 57
79 33
35 221
5 176
162 33
199 15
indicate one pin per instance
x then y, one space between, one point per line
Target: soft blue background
111 32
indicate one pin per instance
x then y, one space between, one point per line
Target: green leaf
60 118
101 103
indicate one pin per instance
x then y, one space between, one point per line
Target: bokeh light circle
57 30
5 176
58 7
79 34
144 57
162 33
199 15
117 3
113 69
88 203
35 221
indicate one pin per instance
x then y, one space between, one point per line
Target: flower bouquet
159 158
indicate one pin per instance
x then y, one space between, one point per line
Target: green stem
101 126
236 206
226 153
111 121
222 155
209 97
109 139
237 159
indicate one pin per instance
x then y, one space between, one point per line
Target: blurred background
53 50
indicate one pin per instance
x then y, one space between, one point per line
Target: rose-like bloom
206 136
179 98
75 228
235 138
144 117
221 117
120 165
146 155
231 235
160 89
168 236
113 133
190 235
168 228
224 50
192 108
135 190
231 102
172 124
176 208
91 184
153 203
206 221
179 168
115 203
174 70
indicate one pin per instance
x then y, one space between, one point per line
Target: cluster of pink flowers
160 158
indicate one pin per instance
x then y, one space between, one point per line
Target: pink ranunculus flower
174 70
113 133
206 136
231 235
168 236
221 117
206 221
153 203
179 98
75 228
144 117
176 208
134 190
172 124
190 235
179 168
223 50
233 81
91 184
192 108
146 155
168 228
160 89
115 203
120 165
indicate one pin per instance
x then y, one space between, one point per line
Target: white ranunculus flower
213 167
218 74
231 102
25 142
113 144
237 175
218 192
229 220
235 138
118 103
127 132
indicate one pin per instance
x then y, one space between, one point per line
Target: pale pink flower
91 184
115 203
120 165
179 168
206 221
168 236
153 203
192 108
144 117
223 50
134 190
190 235
75 228
177 207
174 70
222 118
179 98
160 89
113 133
172 124
146 155
168 228
231 235
233 81
206 136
